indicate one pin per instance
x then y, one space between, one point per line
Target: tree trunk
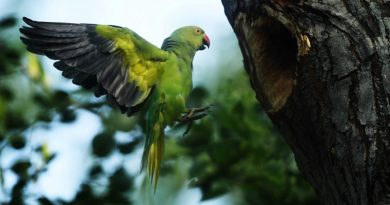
321 70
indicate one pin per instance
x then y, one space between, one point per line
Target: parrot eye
198 31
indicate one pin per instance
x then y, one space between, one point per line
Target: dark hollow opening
275 57
280 46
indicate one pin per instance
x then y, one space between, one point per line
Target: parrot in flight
131 72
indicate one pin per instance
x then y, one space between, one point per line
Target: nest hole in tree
275 55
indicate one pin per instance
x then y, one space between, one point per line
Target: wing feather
66 54
110 60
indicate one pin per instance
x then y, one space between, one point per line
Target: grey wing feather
84 56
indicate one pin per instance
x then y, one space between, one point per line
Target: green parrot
131 72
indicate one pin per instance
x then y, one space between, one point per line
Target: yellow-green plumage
118 63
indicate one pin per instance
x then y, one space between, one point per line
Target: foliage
233 150
236 149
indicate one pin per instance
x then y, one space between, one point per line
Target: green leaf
45 201
103 144
6 94
35 70
120 181
68 116
61 99
17 141
95 170
20 167
214 190
14 121
126 148
7 22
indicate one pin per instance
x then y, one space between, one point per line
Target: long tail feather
154 149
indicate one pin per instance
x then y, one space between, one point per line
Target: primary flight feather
118 63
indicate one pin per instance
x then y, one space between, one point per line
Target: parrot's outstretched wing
109 59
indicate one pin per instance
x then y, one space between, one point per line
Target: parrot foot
192 116
195 114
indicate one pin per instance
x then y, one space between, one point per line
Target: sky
152 19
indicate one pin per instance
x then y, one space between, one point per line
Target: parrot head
193 36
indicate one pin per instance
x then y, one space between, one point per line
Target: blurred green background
233 156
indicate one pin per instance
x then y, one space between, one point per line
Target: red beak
206 41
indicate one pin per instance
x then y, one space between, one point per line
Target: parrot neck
182 50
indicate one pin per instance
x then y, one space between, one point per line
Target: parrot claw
195 114
187 129
193 111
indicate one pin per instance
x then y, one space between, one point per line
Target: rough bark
321 69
